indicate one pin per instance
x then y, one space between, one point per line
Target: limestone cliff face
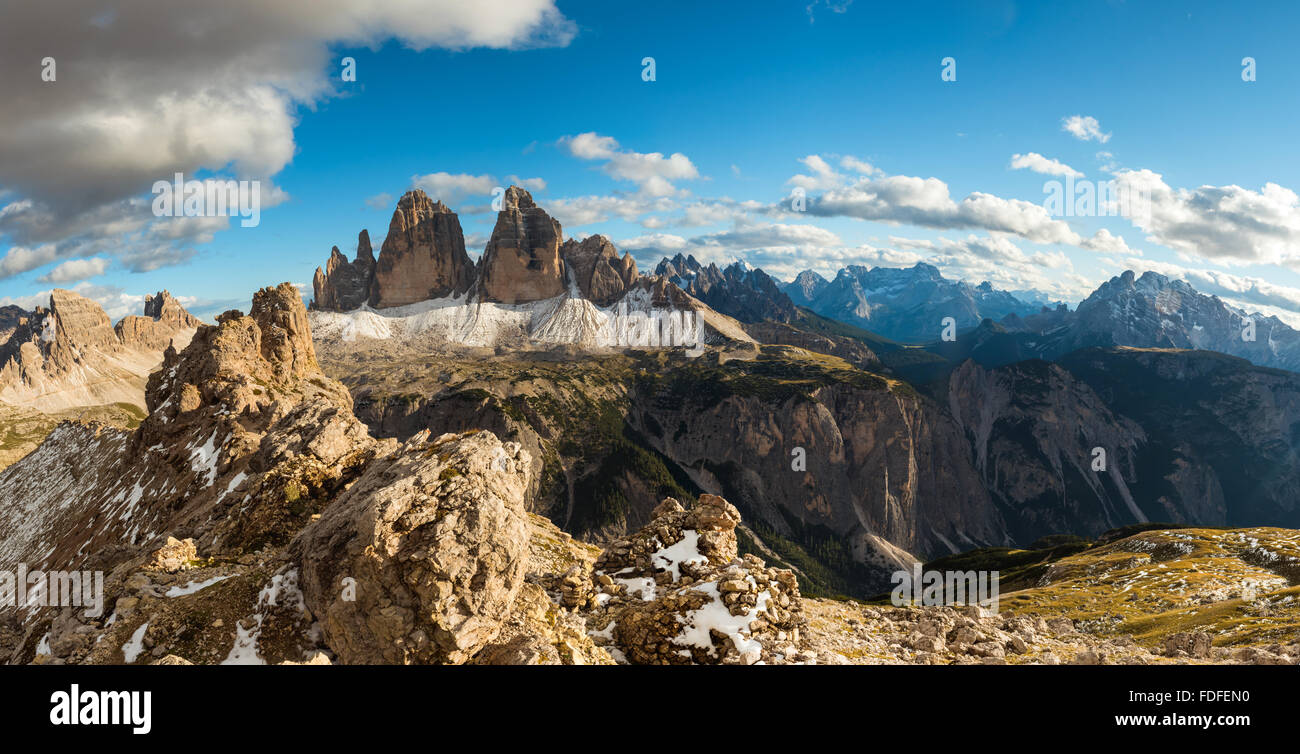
1188 437
343 285
1037 432
1223 444
522 260
602 276
423 256
879 464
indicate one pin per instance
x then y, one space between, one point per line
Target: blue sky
748 103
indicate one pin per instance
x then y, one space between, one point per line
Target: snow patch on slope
633 321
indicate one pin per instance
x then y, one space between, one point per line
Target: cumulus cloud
1105 241
585 210
1084 128
861 167
926 202
1228 224
20 259
768 235
75 269
1040 164
652 172
450 188
154 87
824 177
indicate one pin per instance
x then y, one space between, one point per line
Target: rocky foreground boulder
435 536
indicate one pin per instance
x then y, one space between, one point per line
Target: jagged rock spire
522 260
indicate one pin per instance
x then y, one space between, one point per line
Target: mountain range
846 454
902 304
69 353
530 285
252 519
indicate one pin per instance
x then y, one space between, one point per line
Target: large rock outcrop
602 276
423 256
435 540
343 286
522 260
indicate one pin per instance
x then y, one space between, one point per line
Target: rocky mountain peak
423 256
602 276
902 303
77 322
243 364
522 260
806 286
69 355
286 334
164 320
364 251
518 198
344 285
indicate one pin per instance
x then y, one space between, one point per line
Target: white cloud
20 259
380 201
823 175
451 188
1105 241
585 210
925 202
1084 128
862 167
652 172
1228 224
767 235
1040 164
75 269
448 187
532 184
652 244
